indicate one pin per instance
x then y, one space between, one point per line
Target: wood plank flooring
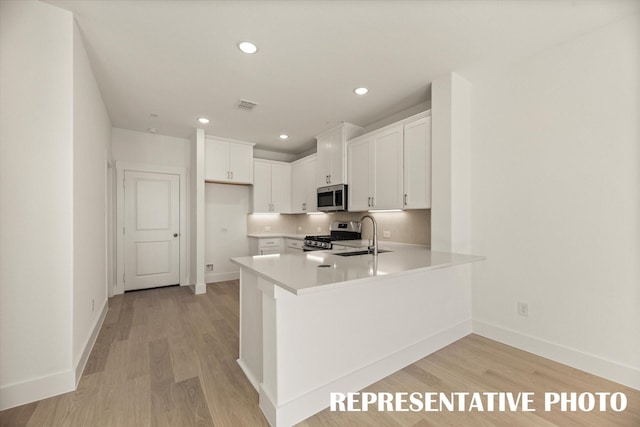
166 357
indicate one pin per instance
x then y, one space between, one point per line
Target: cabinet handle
405 200
329 178
369 201
228 177
304 206
373 202
231 174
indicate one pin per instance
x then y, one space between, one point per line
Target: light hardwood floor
165 357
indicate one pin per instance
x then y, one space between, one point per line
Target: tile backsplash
411 226
270 223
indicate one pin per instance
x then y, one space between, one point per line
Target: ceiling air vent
245 105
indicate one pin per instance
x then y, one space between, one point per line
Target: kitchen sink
355 253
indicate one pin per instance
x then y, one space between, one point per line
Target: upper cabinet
332 162
417 164
228 161
272 187
375 170
390 168
303 185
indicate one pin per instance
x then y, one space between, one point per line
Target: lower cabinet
293 246
265 246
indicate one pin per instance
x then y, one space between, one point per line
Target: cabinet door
336 174
324 160
216 160
270 251
241 163
262 187
281 187
299 187
417 164
387 171
310 171
359 171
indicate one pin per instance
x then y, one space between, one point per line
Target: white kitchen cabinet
272 187
303 185
360 183
227 161
417 164
293 246
375 170
265 245
331 149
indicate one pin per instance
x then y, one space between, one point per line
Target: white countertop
272 235
302 274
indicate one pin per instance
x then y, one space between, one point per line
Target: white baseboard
304 406
13 395
221 277
199 288
596 365
90 343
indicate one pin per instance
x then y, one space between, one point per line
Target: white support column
197 214
451 145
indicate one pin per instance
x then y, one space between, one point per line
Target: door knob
175 234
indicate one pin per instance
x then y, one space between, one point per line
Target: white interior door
151 230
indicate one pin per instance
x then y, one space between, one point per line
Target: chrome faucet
375 234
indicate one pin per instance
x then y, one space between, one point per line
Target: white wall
226 209
556 201
91 145
154 149
55 138
36 201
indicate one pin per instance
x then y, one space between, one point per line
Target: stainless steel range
339 231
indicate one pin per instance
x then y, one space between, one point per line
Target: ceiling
179 59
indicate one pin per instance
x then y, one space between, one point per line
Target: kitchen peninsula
322 322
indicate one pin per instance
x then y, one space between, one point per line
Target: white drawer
270 243
293 243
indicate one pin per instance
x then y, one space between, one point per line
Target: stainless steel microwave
332 198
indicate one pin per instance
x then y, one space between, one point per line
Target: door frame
121 168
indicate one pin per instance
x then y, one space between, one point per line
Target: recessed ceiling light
361 90
247 47
203 120
283 136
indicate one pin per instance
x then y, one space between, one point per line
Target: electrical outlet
267 228
209 267
386 233
523 309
